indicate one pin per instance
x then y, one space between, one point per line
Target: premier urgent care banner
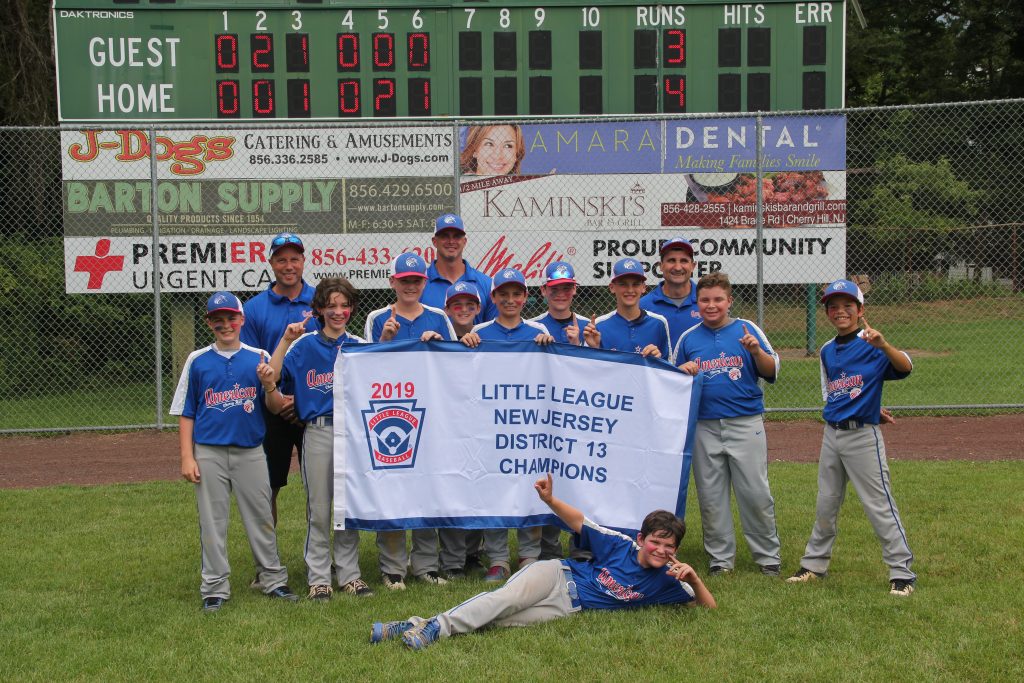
438 435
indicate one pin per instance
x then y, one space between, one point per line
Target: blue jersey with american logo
620 334
680 318
730 373
308 373
221 392
430 320
268 313
614 579
437 287
526 330
852 372
557 328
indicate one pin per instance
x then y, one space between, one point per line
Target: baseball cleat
718 570
771 569
386 630
422 635
901 587
283 593
358 588
804 575
320 592
393 582
213 604
432 577
496 574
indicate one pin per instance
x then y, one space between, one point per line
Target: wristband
271 389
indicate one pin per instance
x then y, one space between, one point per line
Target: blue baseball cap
558 272
843 287
628 266
223 301
461 289
449 221
286 239
677 243
409 265
509 276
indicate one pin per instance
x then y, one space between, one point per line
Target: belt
322 421
846 425
570 586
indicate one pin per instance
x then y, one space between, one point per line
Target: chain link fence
923 210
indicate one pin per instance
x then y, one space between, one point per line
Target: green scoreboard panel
137 60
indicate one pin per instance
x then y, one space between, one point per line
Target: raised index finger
745 331
392 312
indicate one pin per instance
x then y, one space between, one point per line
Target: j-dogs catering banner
438 435
587 192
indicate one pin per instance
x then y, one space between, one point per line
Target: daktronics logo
188 157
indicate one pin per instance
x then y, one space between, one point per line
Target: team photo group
263 389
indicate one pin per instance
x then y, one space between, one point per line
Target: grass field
101 584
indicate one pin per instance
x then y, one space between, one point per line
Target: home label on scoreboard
190 60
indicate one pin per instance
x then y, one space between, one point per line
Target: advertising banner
438 435
587 192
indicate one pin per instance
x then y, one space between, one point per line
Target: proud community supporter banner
438 435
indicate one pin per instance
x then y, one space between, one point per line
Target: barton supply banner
438 435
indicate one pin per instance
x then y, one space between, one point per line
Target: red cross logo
99 265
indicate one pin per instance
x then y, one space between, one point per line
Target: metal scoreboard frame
296 60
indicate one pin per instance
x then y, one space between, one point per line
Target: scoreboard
203 60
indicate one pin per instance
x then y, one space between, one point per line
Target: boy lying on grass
622 574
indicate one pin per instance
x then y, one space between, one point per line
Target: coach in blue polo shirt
675 298
287 300
449 267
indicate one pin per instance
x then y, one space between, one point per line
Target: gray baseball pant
453 548
536 593
244 470
394 556
318 477
858 456
496 545
733 453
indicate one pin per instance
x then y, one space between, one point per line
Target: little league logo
393 433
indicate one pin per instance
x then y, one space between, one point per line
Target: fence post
157 327
759 222
812 319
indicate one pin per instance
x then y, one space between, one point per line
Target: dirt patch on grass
89 458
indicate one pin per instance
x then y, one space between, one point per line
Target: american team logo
247 406
449 219
509 274
233 397
393 433
320 381
845 386
735 374
460 287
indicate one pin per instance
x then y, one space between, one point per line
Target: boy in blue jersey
508 292
854 365
675 297
730 450
629 328
559 290
220 429
408 319
623 574
304 361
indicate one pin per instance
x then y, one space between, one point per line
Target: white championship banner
438 435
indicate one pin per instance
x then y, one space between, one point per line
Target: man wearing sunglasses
287 300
